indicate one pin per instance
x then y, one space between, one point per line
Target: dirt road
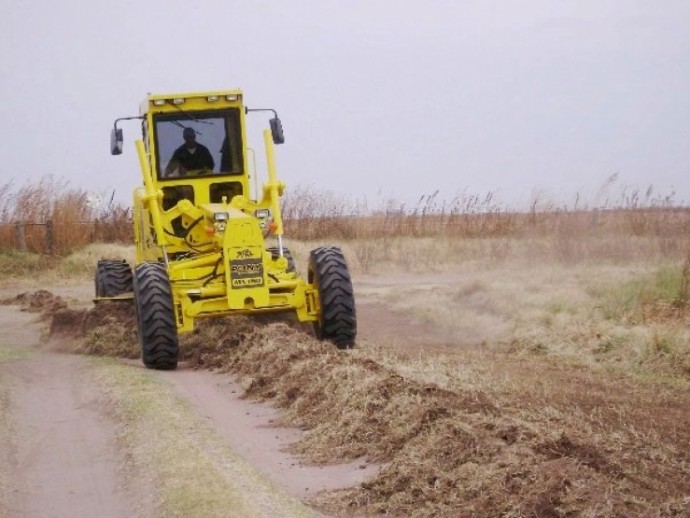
60 448
62 455
83 436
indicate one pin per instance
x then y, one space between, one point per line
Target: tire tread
156 318
338 320
113 277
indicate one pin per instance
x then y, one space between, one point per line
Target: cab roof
179 99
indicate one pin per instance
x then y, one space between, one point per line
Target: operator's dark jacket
200 159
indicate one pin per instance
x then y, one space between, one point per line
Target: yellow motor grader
207 244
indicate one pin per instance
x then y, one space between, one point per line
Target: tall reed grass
50 216
312 215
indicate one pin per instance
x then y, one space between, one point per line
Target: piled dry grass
470 445
477 433
41 301
107 329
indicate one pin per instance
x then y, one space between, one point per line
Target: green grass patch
189 468
7 439
630 301
14 263
79 264
7 433
10 354
82 262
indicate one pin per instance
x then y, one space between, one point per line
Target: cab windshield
190 144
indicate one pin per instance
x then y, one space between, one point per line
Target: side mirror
277 130
116 141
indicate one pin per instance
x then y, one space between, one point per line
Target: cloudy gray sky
378 98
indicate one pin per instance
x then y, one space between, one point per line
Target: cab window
195 144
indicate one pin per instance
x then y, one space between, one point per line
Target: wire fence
55 238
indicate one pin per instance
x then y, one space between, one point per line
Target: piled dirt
460 451
41 301
562 443
107 329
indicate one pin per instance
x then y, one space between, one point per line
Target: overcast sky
378 99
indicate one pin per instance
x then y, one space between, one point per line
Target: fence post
95 231
21 235
49 237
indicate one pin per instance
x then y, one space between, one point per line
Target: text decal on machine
246 273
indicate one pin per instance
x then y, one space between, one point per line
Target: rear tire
113 277
155 317
337 319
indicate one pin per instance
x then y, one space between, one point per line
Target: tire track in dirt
247 426
63 458
64 441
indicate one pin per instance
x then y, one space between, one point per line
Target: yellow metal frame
230 272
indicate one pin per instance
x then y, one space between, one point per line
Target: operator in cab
189 156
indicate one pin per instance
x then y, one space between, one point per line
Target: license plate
246 273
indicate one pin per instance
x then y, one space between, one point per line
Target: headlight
220 216
263 213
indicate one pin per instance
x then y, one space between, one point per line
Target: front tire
337 319
113 277
155 317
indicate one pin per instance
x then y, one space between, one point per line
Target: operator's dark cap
188 132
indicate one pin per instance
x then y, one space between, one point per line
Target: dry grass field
512 364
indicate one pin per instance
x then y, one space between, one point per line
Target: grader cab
207 243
